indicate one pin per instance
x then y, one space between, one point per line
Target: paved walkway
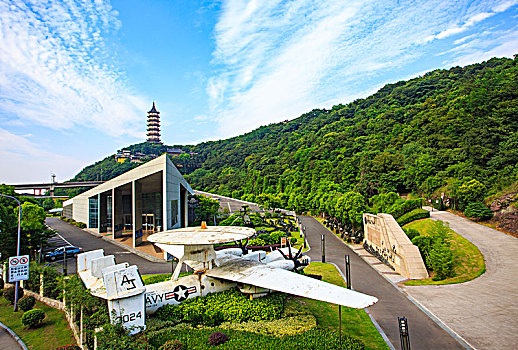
424 332
7 342
483 311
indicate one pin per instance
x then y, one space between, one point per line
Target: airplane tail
121 285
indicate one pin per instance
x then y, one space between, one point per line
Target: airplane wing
257 274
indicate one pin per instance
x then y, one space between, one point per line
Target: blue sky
78 76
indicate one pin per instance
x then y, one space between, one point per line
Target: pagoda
153 125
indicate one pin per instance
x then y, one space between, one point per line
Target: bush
256 242
264 236
228 306
26 303
9 294
32 318
172 345
401 207
411 233
441 260
293 240
275 237
217 338
415 214
478 211
436 252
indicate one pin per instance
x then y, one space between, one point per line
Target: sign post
18 268
18 271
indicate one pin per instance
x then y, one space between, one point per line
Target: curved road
424 332
483 311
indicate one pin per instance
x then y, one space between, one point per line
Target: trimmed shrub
401 207
32 318
156 278
411 233
26 303
293 240
217 338
256 242
436 252
275 237
264 236
196 339
441 259
285 326
228 306
172 345
478 211
415 214
9 294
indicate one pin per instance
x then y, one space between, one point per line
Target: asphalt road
424 332
79 238
483 311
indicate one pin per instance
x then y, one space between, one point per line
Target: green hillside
427 135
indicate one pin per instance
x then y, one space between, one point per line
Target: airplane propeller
244 247
295 258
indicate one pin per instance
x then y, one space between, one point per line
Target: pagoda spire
153 125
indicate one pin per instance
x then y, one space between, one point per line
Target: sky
77 77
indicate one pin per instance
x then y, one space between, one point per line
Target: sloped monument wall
388 241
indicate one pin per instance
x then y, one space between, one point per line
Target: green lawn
51 334
468 260
355 322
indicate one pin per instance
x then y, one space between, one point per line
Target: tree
471 191
48 204
206 208
8 221
34 232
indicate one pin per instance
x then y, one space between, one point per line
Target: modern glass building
147 199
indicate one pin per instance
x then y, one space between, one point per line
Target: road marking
63 238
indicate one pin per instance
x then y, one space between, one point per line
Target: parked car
57 254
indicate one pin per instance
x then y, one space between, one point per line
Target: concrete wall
389 241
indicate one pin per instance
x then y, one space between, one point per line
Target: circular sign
24 260
14 261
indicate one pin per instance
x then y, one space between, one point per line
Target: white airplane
254 273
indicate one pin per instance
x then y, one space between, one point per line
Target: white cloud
24 160
58 70
278 59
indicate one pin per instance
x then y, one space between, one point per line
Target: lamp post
17 247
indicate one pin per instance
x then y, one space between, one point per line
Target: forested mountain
427 135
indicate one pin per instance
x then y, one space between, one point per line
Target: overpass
51 186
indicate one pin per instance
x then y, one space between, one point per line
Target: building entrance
148 222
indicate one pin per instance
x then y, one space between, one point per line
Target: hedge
415 214
197 339
402 207
228 306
